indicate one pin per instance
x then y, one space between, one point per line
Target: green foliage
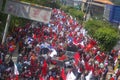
77 14
103 32
92 25
29 1
107 37
17 22
47 3
66 8
73 12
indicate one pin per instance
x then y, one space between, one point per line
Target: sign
28 11
112 13
115 14
1 2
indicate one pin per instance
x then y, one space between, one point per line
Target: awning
104 1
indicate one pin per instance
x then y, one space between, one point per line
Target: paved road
111 71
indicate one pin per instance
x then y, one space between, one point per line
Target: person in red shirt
51 78
0 61
111 77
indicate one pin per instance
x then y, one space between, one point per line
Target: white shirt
53 53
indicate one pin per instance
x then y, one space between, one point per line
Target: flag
77 57
116 65
98 58
63 75
16 73
0 61
82 45
51 78
90 45
16 70
34 36
16 77
112 78
93 42
63 57
70 76
89 76
41 77
12 48
87 66
75 42
44 68
53 53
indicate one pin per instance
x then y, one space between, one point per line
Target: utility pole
6 28
1 2
83 5
88 10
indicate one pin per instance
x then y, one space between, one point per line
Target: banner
28 11
1 2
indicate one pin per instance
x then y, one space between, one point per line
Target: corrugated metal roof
104 1
84 0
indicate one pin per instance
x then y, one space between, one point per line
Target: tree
92 25
73 12
77 14
47 3
107 37
103 32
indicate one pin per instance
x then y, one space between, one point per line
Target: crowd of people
59 50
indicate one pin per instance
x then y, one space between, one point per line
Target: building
73 3
96 7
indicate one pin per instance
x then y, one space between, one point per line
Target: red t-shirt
112 78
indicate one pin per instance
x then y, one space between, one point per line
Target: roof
104 1
84 0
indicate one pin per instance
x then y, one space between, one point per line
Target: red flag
44 68
93 42
90 45
16 77
87 66
77 57
75 42
98 58
41 77
63 57
0 61
34 36
63 75
16 72
112 78
51 78
12 48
